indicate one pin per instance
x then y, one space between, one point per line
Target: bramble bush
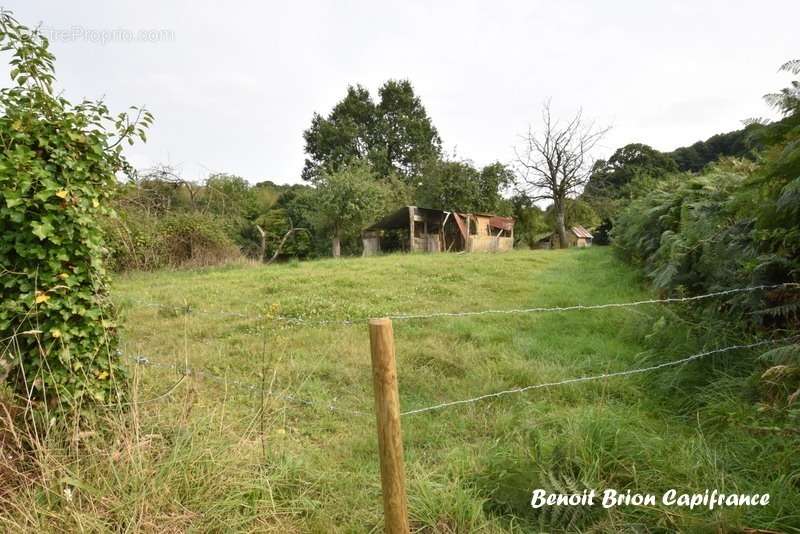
177 239
57 169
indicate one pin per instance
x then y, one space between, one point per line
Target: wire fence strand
444 314
578 307
330 406
602 376
333 407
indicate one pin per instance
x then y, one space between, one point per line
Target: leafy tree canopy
458 185
395 135
346 200
530 223
610 178
577 211
347 133
406 138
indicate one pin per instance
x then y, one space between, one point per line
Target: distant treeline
743 143
367 157
163 220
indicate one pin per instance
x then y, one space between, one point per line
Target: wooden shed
415 229
577 236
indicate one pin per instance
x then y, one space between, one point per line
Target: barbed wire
250 387
669 300
597 377
431 315
333 408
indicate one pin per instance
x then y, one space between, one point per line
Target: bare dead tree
555 162
167 175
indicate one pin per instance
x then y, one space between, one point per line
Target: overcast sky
233 85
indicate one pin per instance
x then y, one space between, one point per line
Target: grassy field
229 451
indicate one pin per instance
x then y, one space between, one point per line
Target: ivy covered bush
58 166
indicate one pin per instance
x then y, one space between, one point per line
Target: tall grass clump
149 469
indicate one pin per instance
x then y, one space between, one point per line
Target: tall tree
494 179
555 162
629 170
406 137
347 133
396 135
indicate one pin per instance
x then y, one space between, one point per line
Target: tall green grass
215 456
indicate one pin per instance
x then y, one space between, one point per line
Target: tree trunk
283 242
561 227
263 249
337 245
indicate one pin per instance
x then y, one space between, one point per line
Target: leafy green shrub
177 239
57 169
347 200
197 239
276 223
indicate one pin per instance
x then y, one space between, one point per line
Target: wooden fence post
390 439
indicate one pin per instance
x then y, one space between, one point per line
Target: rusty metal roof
400 219
580 231
504 223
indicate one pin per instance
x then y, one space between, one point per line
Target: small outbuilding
544 240
577 236
415 229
